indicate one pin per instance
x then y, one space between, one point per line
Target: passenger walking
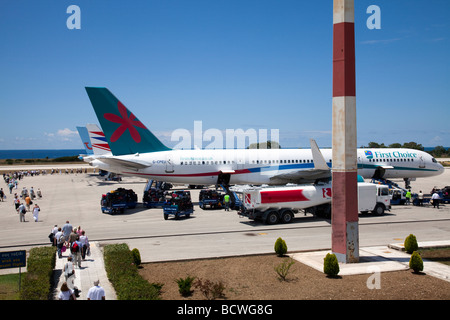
28 202
69 273
65 293
22 212
52 235
36 211
84 244
96 292
59 242
67 229
75 249
73 236
16 201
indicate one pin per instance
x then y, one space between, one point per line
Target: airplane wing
129 164
320 171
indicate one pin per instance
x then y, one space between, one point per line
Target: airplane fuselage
262 166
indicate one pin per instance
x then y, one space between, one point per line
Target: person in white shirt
96 292
66 293
36 210
435 197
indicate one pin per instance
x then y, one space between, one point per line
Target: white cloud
66 132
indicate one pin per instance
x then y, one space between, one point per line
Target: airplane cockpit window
434 160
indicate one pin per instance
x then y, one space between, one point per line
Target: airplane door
421 162
169 165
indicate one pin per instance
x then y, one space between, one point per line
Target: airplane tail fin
98 141
124 132
84 135
318 159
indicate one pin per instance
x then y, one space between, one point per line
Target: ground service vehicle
279 204
154 193
118 200
211 198
178 204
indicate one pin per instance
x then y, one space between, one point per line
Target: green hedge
37 284
124 276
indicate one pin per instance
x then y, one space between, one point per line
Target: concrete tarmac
207 234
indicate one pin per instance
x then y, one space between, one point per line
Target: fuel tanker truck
279 204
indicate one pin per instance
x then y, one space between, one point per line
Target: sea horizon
39 153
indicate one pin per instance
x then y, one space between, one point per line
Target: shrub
411 243
210 290
37 283
136 256
184 285
331 265
280 247
124 276
415 262
283 268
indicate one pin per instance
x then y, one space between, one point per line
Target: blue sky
260 64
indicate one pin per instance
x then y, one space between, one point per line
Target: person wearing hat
96 292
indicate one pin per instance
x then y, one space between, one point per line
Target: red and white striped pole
345 234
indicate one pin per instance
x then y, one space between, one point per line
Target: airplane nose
441 168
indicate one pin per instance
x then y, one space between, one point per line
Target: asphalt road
207 233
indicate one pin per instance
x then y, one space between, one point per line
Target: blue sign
13 259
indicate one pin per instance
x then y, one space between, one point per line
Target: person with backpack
75 249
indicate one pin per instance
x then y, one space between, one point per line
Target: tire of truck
272 217
378 210
286 216
166 216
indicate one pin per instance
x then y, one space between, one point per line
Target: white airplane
137 152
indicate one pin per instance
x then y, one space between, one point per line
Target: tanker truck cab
367 202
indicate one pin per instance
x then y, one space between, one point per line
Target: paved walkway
92 269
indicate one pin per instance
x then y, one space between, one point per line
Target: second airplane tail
124 132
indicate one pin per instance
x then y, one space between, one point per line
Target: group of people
23 202
77 242
73 238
